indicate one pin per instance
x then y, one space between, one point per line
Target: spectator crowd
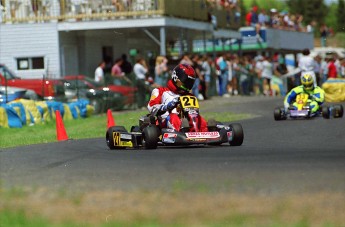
228 74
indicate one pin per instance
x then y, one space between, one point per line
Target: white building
54 42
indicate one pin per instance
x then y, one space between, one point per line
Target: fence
38 11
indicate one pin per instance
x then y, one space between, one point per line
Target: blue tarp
16 114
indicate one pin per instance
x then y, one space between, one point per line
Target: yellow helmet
307 82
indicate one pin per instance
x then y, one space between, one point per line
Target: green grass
92 127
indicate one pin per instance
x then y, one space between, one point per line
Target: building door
69 60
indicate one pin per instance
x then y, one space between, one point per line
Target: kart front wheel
237 134
279 114
109 136
150 137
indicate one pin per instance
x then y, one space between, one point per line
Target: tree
310 9
341 16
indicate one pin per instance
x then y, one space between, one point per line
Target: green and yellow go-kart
302 110
149 134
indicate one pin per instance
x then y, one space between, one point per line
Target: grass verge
182 208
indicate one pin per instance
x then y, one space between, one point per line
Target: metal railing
38 11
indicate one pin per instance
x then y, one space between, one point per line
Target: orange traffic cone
60 128
111 121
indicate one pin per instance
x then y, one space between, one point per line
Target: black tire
338 111
325 112
109 136
279 114
237 134
150 137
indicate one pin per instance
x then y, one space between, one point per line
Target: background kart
149 134
303 111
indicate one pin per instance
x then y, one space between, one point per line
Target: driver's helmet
307 82
183 77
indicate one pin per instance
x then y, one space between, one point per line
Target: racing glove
170 106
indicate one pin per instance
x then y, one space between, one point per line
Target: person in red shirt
164 99
332 69
249 18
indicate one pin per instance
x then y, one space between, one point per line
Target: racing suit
316 97
161 98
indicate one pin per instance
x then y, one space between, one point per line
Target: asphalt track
277 157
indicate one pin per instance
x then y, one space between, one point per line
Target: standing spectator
332 69
317 69
324 34
273 18
199 76
186 59
117 73
337 63
126 66
99 73
306 64
224 75
324 70
267 73
206 67
234 68
249 18
245 68
258 71
342 68
262 18
161 71
311 27
140 70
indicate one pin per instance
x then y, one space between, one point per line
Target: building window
30 63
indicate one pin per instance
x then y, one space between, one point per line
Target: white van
324 51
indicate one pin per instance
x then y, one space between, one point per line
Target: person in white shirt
266 74
306 64
140 70
99 73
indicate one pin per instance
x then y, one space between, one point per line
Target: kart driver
164 99
316 94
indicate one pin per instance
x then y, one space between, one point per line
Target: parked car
115 97
45 89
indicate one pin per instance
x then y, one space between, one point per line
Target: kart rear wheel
325 112
150 137
338 111
109 136
237 134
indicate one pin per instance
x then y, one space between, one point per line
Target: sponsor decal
126 144
126 136
169 138
229 134
298 113
197 139
202 134
169 135
119 143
